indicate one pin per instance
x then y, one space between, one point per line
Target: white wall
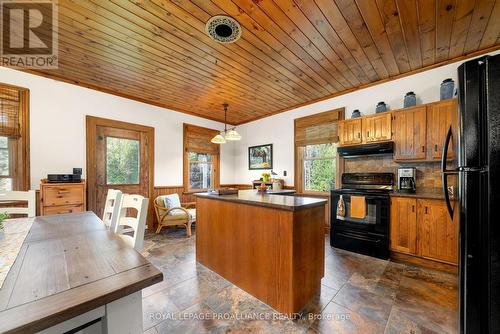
57 122
278 129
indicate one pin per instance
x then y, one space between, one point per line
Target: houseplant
3 216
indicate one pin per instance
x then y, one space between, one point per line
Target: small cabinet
377 128
403 230
440 116
59 198
350 131
438 233
410 128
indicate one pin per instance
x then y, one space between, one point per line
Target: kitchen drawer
57 210
62 195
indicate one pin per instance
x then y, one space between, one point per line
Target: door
438 234
404 225
377 128
440 116
350 131
119 156
410 134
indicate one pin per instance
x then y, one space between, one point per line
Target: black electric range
369 234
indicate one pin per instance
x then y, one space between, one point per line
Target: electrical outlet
284 173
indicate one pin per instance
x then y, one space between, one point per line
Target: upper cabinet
418 132
410 133
440 116
350 131
377 127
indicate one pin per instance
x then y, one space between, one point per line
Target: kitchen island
271 246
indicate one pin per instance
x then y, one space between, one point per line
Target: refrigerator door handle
445 172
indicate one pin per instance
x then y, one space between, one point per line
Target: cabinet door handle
368 134
359 134
60 192
423 148
413 208
435 148
426 211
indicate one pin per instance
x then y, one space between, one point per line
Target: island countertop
283 202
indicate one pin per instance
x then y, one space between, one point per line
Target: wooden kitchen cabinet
350 131
437 232
403 230
440 116
410 129
377 127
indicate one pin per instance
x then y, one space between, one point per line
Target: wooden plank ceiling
291 52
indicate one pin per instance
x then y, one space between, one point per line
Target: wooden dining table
72 274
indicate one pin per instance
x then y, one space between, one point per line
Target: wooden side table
59 198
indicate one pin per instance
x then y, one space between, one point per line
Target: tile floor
359 294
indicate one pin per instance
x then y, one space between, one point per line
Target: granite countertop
427 193
283 202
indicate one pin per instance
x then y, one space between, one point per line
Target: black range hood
366 149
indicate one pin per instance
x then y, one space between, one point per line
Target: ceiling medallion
223 29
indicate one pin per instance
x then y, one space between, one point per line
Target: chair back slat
19 196
112 209
137 223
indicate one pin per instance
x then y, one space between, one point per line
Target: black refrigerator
477 141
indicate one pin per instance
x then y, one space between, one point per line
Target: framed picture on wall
260 157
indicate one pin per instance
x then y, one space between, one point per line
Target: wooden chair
136 224
19 196
112 209
171 212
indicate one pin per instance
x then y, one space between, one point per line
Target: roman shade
197 139
10 106
318 128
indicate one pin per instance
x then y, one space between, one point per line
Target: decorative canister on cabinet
410 100
381 107
446 89
356 113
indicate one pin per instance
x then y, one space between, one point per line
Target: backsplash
428 173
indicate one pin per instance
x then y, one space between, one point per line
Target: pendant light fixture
226 135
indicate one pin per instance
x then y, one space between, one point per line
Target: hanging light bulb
232 135
219 139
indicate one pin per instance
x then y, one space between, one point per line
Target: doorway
120 156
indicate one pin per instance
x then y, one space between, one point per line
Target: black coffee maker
407 179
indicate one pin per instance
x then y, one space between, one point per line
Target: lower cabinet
422 227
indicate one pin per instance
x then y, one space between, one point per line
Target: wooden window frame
19 149
215 160
299 160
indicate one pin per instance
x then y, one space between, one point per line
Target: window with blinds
316 162
201 159
14 138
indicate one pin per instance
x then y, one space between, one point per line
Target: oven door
377 213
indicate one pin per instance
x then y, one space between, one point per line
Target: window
316 161
14 138
200 170
122 161
319 167
201 159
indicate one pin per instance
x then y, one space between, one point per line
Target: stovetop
376 183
